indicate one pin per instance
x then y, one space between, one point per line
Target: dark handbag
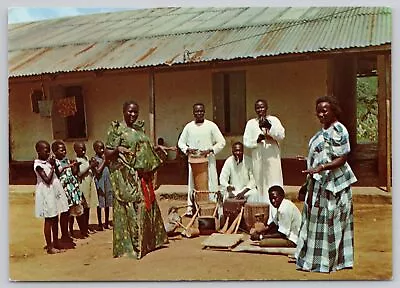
303 189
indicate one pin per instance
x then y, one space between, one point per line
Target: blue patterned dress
69 182
326 237
104 184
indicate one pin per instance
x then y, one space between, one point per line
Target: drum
202 196
207 209
231 209
199 167
250 212
207 225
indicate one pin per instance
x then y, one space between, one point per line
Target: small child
86 183
283 222
103 185
66 171
50 198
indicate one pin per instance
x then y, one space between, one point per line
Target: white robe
266 155
203 137
239 176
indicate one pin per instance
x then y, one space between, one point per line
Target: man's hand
240 195
260 138
230 188
191 151
205 153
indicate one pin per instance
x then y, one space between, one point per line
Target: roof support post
384 121
152 106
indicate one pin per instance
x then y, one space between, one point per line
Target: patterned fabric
66 106
103 184
50 200
326 237
325 146
69 183
137 230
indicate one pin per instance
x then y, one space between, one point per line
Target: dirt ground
183 259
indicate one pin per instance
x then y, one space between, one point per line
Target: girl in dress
66 171
50 199
86 183
103 185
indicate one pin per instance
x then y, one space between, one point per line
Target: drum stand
208 221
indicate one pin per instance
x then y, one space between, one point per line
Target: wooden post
152 107
388 148
345 90
383 121
388 80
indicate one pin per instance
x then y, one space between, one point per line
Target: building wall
290 88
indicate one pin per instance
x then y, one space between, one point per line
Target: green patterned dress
137 230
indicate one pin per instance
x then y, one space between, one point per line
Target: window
36 96
229 97
68 115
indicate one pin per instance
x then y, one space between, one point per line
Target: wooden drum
199 167
207 209
231 209
250 212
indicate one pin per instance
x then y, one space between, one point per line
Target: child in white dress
50 198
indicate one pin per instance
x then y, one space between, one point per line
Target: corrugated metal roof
167 36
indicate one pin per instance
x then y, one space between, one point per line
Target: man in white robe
201 137
236 176
262 136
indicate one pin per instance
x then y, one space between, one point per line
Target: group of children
67 189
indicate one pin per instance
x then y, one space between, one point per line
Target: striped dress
326 237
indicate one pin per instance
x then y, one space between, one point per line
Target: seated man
236 176
283 222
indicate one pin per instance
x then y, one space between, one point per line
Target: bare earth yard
183 259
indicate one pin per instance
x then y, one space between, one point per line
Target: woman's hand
147 176
124 150
317 169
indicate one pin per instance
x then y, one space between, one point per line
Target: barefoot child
66 171
103 185
50 198
86 183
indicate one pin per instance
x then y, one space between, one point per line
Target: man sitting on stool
236 176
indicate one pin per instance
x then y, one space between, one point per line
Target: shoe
106 226
188 214
100 227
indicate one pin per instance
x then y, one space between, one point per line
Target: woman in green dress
138 225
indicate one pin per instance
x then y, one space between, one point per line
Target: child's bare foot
54 251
